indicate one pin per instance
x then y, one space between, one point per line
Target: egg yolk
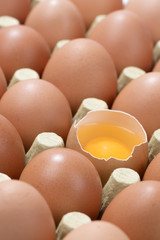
105 140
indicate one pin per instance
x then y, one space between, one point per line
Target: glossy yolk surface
105 140
107 147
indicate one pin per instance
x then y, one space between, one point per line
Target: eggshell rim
76 125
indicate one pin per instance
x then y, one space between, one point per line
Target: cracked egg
110 139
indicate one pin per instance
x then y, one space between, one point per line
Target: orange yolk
105 140
107 147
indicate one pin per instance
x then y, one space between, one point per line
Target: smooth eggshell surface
140 98
22 47
67 180
92 8
126 38
149 12
35 106
15 8
153 169
80 69
3 83
24 213
12 154
156 67
56 20
136 210
97 230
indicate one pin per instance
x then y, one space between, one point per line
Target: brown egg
3 83
56 20
22 47
136 211
24 213
15 8
81 69
153 169
67 180
104 137
12 154
35 106
126 38
149 12
97 230
92 8
156 68
140 98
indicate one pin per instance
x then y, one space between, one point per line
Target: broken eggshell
140 98
139 156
